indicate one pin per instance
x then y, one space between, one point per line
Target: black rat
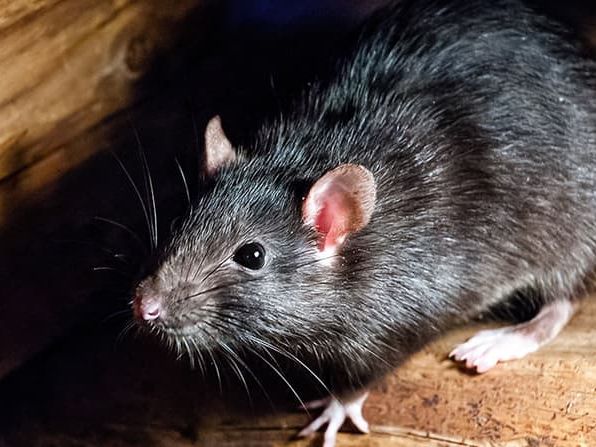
448 164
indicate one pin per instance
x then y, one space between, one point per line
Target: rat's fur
478 121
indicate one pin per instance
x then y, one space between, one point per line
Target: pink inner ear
330 221
339 203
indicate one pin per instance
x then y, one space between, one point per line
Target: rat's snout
163 302
147 307
149 300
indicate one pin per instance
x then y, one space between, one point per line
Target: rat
447 164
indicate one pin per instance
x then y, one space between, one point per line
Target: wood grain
67 65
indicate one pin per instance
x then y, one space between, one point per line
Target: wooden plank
546 399
65 66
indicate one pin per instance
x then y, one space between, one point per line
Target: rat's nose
147 307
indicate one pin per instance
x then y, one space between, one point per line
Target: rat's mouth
194 334
185 331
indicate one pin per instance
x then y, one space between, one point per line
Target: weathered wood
67 65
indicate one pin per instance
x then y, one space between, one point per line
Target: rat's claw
335 414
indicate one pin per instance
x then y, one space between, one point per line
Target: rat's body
465 136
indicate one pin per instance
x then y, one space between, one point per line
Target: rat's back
478 120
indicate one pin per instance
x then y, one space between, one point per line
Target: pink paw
335 414
485 349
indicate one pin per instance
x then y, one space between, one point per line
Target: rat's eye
251 256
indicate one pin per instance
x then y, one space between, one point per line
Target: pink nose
147 308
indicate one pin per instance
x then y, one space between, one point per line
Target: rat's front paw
335 414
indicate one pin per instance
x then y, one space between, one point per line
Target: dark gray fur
477 119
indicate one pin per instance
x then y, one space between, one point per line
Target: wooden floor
97 390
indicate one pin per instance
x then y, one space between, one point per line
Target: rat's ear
340 203
219 152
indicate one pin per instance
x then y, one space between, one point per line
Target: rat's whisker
184 182
125 330
118 256
222 286
200 359
243 363
238 372
139 197
215 269
281 376
217 373
292 357
106 268
126 228
150 190
116 314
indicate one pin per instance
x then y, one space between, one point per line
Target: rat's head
259 258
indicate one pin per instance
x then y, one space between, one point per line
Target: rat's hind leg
335 414
485 349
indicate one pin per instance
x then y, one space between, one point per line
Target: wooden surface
96 390
67 65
